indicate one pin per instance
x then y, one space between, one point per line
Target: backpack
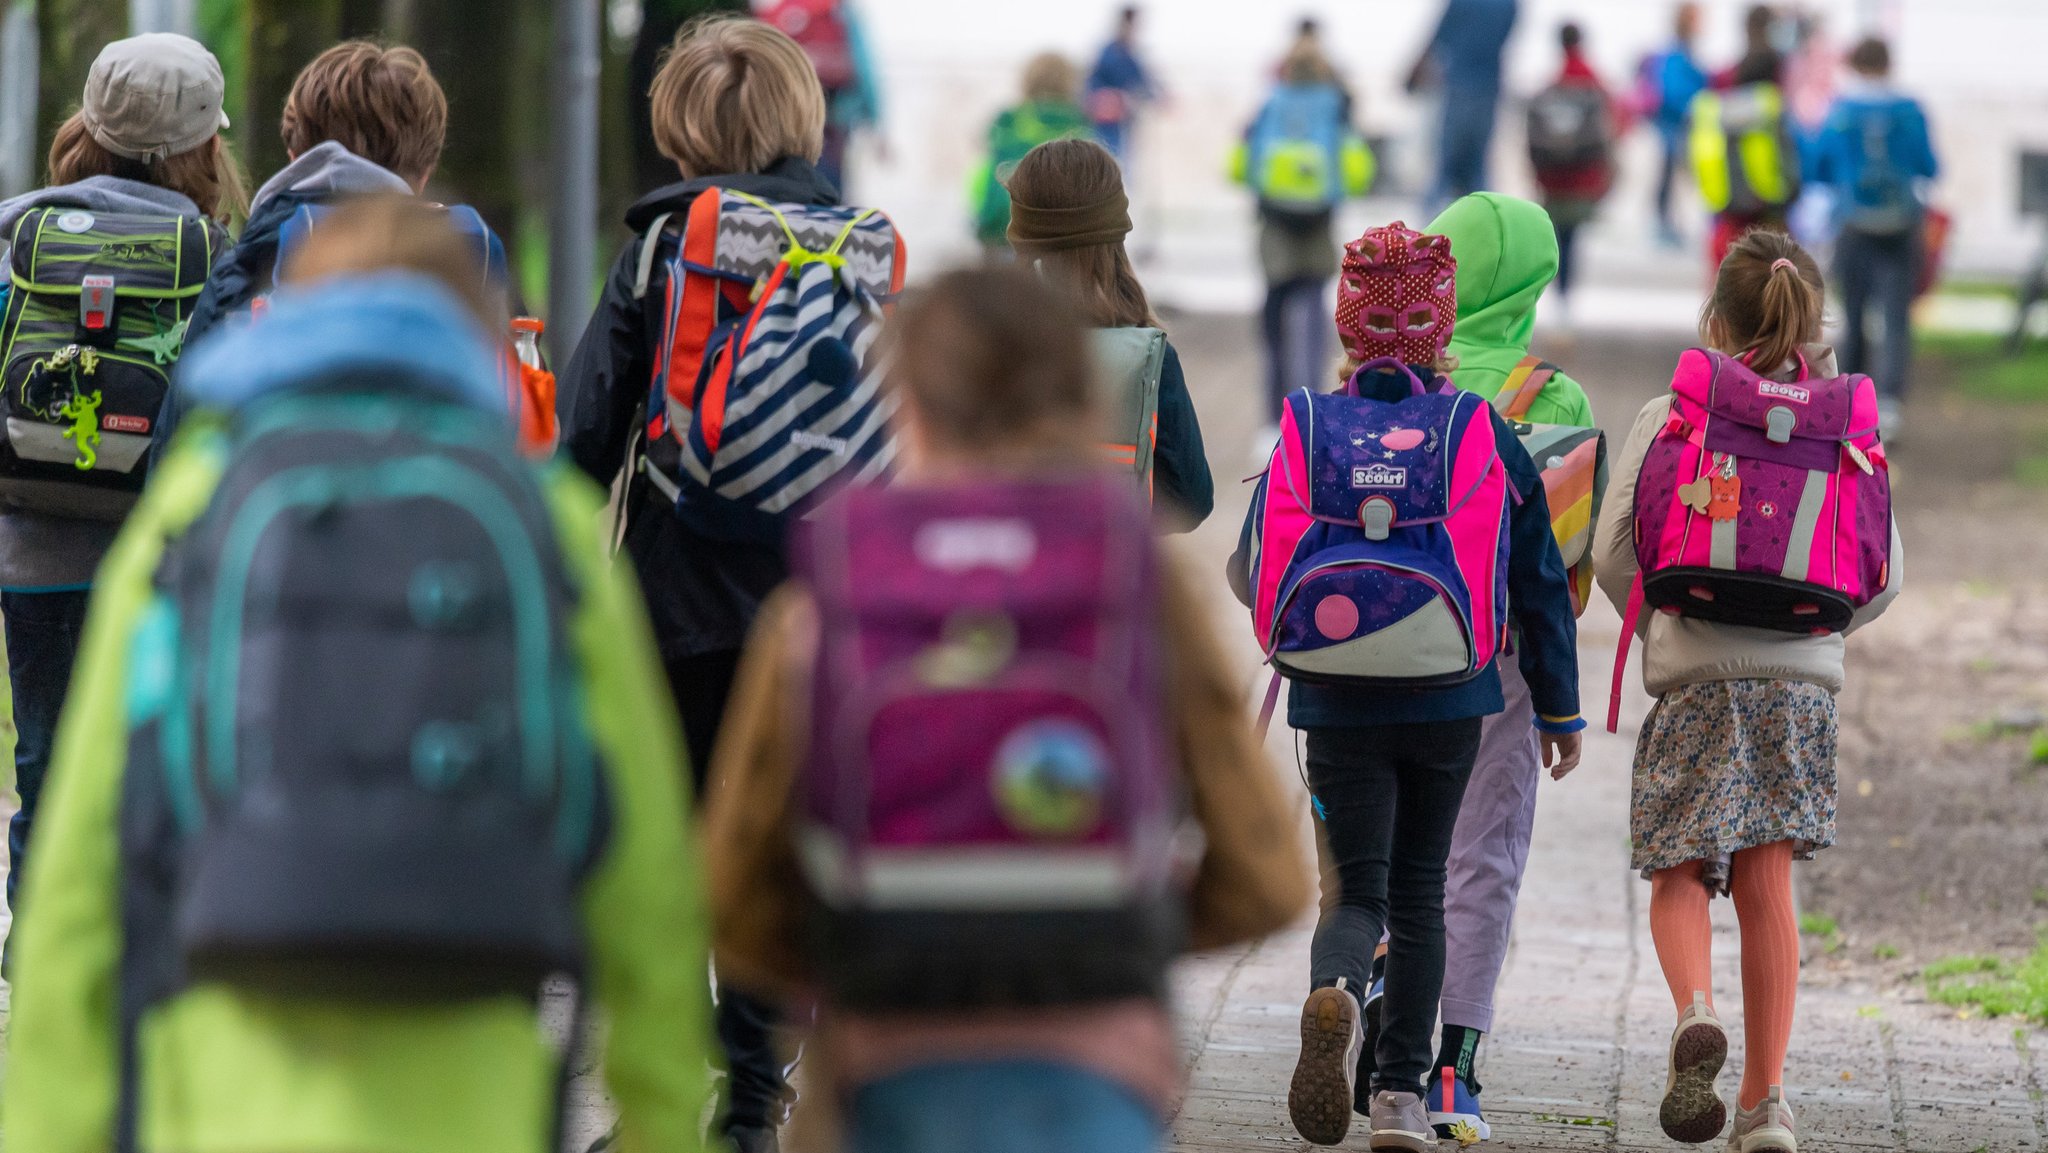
1380 545
764 394
1761 503
1743 153
529 393
988 803
358 756
821 31
1012 137
1881 201
1573 461
1129 362
93 323
1296 161
1570 129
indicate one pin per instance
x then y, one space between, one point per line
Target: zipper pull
1857 455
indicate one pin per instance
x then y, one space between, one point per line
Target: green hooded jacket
223 1068
1507 255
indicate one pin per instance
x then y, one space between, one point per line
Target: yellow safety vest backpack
1743 154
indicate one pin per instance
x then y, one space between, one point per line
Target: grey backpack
1128 364
358 755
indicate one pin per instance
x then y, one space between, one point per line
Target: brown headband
1107 221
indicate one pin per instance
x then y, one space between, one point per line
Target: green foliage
1979 365
1998 986
1818 925
1884 952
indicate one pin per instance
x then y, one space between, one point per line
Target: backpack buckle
1376 517
96 303
1779 423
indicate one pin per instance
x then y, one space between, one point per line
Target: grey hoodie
40 553
327 170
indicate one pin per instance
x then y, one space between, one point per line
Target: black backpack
1570 129
358 758
94 321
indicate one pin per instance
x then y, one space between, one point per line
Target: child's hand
1561 753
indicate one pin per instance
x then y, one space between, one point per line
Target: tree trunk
71 34
283 35
474 59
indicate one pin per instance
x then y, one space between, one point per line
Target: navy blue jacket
1539 606
1180 469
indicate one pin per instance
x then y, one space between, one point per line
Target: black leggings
1389 798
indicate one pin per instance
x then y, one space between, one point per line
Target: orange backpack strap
1525 383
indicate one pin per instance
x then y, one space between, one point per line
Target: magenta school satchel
1761 503
1381 548
988 807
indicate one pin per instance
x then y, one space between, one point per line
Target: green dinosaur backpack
95 318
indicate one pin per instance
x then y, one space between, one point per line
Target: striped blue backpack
765 390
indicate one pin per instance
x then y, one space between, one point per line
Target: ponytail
1768 301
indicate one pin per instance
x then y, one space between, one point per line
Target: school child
312 850
1020 1003
1301 157
1506 254
833 35
1390 689
1572 131
142 161
1051 110
1666 83
702 591
1745 151
1068 219
1875 154
1735 766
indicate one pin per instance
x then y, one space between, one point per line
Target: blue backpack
1296 158
1879 199
490 251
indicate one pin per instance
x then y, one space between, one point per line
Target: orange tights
1761 883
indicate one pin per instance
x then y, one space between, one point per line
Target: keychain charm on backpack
83 411
1725 499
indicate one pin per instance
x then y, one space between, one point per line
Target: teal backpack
94 320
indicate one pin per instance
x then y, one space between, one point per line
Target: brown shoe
1692 1112
1320 1098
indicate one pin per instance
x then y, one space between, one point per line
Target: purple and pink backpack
1380 548
1761 503
988 806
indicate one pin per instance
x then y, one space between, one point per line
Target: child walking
448 772
972 884
1393 718
1068 218
1735 764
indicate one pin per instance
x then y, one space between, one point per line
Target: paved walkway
1578 1057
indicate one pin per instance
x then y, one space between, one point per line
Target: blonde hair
735 95
1347 367
1051 78
1074 174
380 102
994 362
1769 299
380 233
207 175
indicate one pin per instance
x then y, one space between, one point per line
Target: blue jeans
1468 120
42 641
1877 273
1297 331
1008 1106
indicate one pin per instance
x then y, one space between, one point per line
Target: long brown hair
1768 300
207 175
993 362
1072 174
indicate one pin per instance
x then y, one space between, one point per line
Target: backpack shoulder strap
648 245
1525 383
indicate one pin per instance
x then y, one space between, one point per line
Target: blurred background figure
1301 157
1050 110
1464 57
1119 86
1875 155
1666 83
1572 129
831 33
1745 152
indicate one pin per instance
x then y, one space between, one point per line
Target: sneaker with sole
1400 1122
1319 1099
1454 1110
1692 1112
1375 1000
1766 1128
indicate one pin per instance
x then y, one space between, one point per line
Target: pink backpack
1760 503
989 803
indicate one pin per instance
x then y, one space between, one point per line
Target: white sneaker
1766 1128
1691 1111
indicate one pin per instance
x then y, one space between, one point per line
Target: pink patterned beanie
1398 295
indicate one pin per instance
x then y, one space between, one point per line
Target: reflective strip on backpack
1805 523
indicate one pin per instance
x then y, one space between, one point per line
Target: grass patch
1995 985
1818 925
1884 952
1982 370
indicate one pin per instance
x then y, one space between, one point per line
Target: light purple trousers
1489 850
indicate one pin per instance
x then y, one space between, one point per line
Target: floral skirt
1724 766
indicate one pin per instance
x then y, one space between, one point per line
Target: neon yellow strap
797 256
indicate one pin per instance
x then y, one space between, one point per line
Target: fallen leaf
1864 788
1848 1076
